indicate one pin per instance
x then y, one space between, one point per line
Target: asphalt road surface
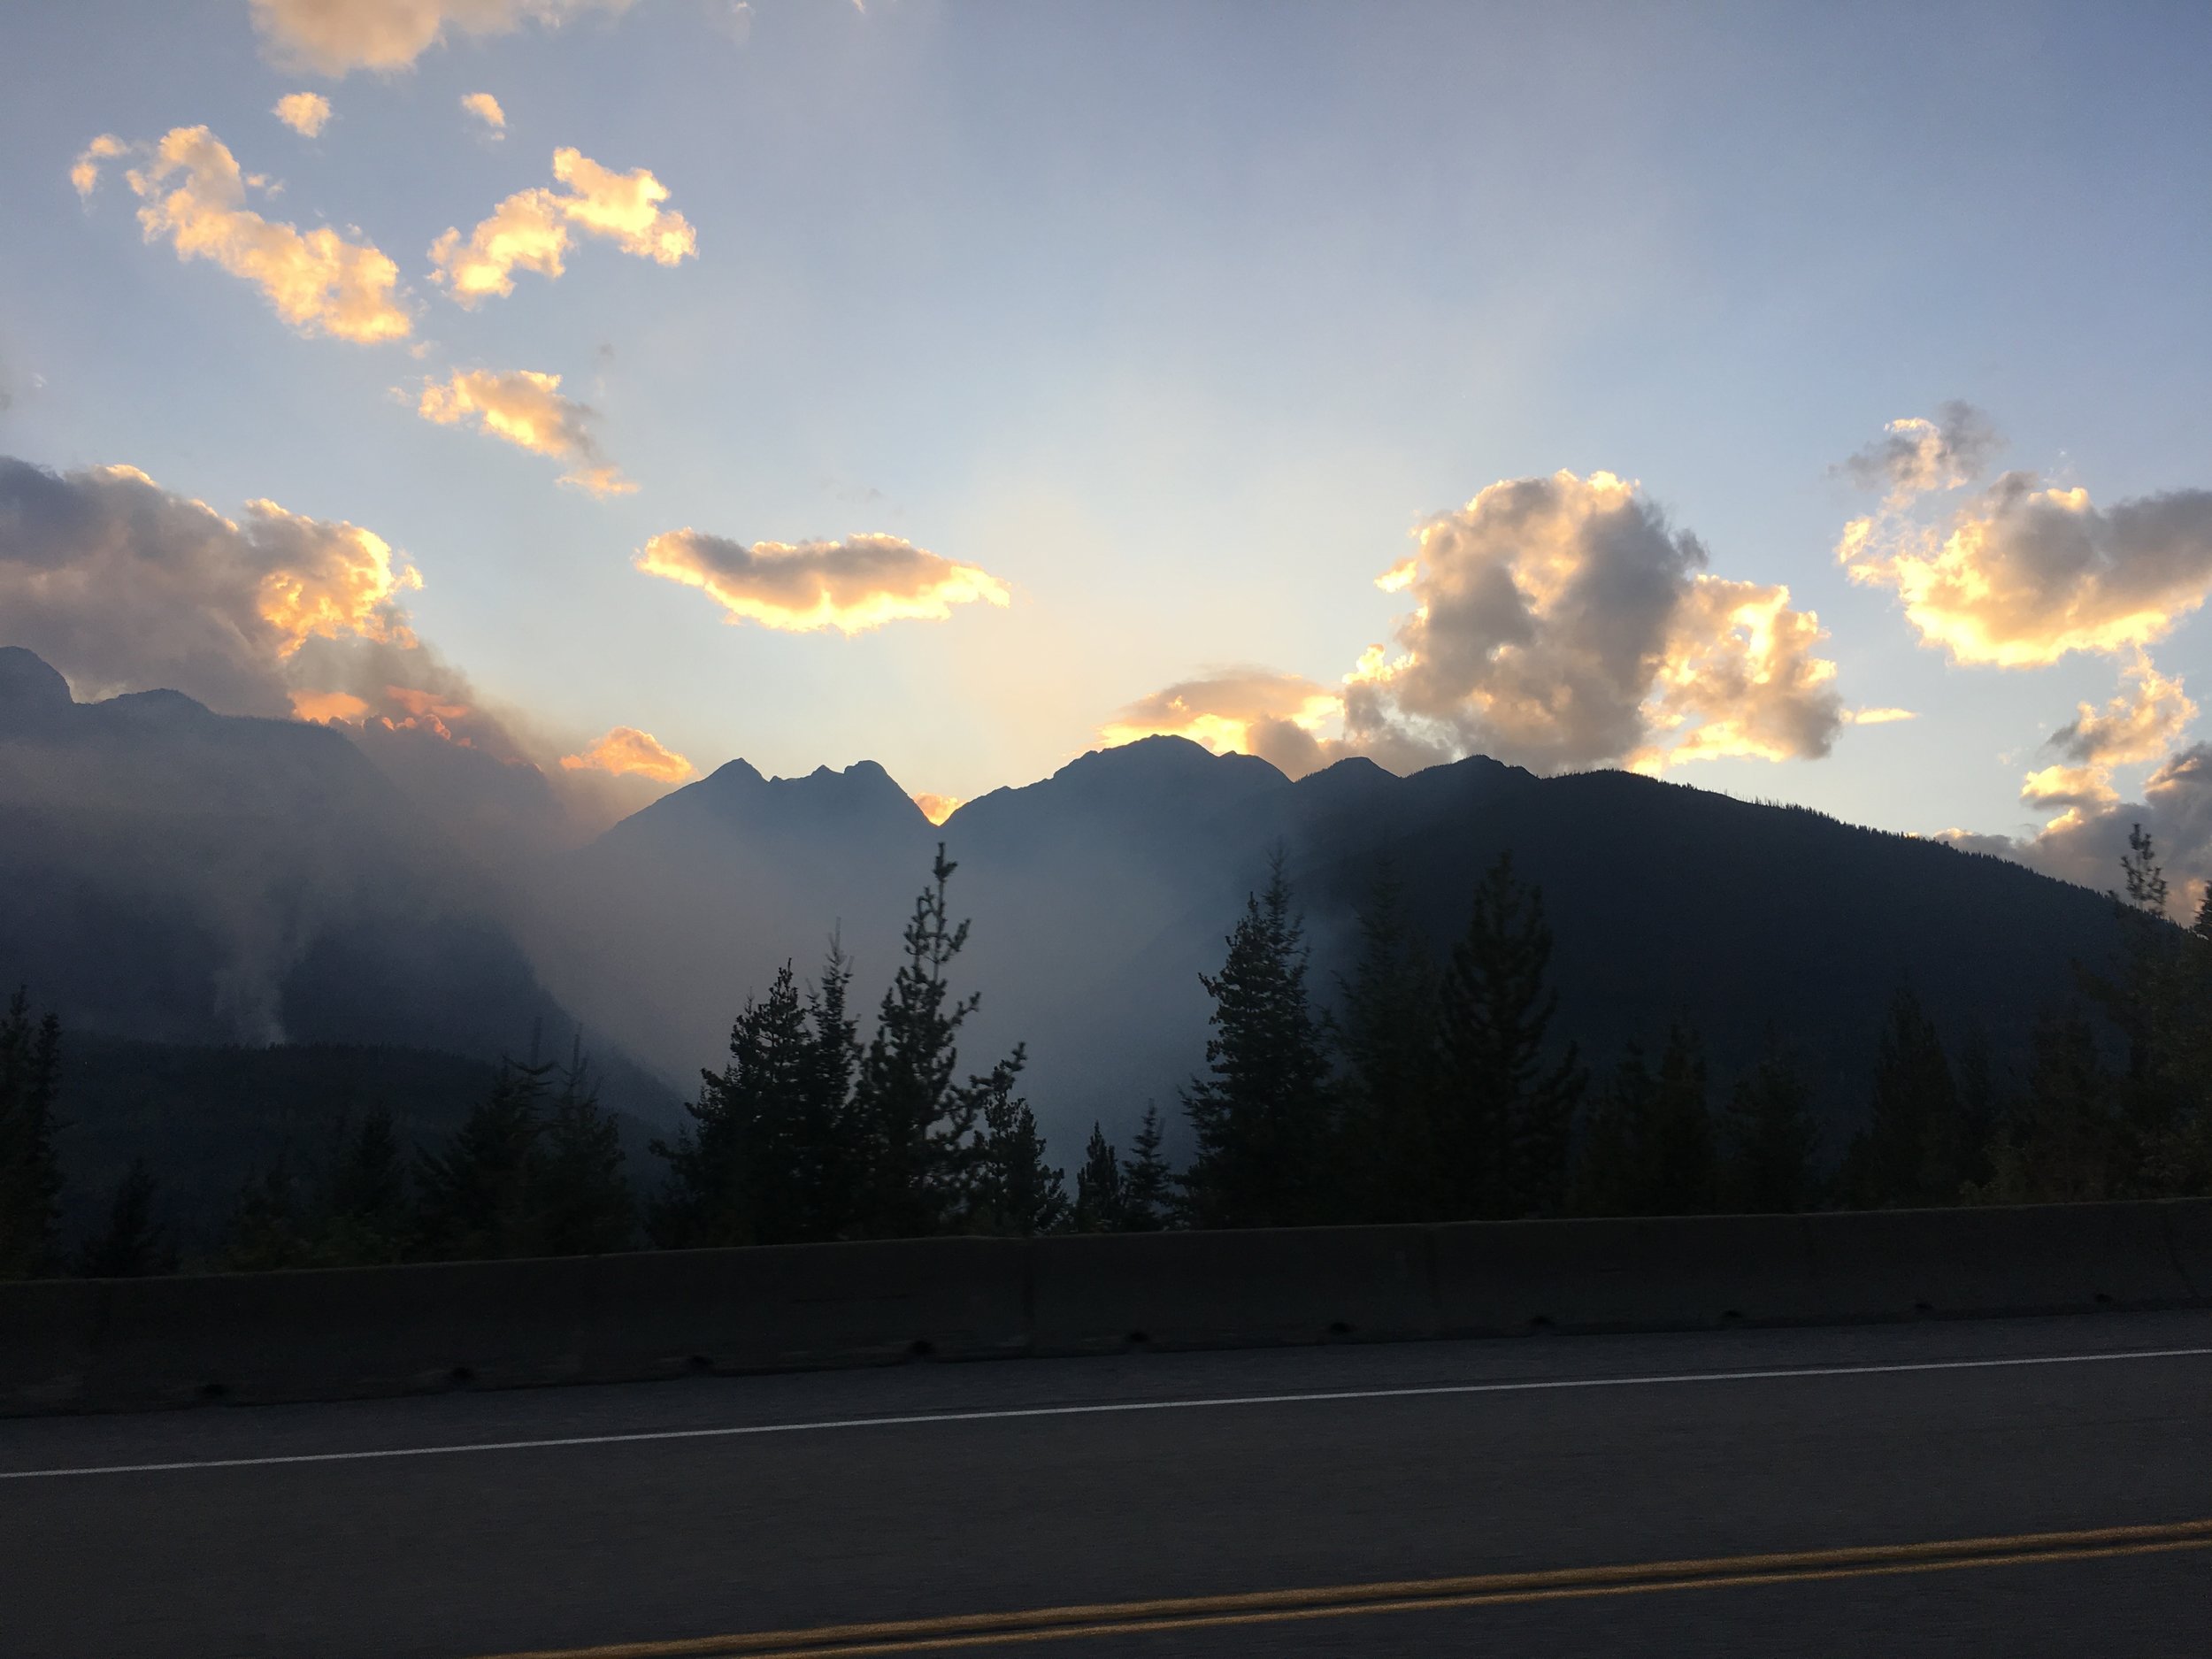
2025 1487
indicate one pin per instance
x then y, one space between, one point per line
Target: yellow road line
1268 1607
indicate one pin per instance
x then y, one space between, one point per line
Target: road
648 1519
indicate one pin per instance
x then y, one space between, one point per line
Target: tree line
1426 1089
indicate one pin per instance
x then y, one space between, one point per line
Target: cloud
527 408
1559 622
334 37
1877 716
2142 722
194 194
125 586
2021 574
854 584
938 808
625 751
486 108
1915 455
1277 717
2085 842
530 230
306 113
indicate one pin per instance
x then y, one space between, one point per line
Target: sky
628 387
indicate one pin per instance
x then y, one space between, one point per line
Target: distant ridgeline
1332 990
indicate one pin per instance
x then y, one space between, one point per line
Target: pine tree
1013 1191
1506 1117
767 1160
1098 1201
2068 1143
1770 1141
476 1195
1386 1034
268 1226
1262 1110
1899 1159
367 1220
1148 1185
1682 1162
1611 1177
580 1202
915 1125
133 1245
30 1174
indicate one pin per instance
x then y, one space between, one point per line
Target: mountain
172 875
1101 894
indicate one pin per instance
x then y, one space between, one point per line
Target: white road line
1109 1408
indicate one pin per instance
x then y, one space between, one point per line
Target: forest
1409 1089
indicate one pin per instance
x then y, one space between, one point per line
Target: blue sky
1178 321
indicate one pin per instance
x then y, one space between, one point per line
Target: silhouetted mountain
1100 895
170 874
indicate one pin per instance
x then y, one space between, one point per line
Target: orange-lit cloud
530 230
336 36
856 584
486 108
627 752
341 707
2021 575
194 194
306 113
1559 622
2146 719
1277 717
1877 716
938 808
527 408
125 586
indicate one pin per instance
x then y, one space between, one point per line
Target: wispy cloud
532 229
525 408
334 37
625 751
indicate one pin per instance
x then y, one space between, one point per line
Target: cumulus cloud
859 583
334 37
125 586
486 108
194 194
306 113
938 808
527 408
531 230
2085 842
2021 574
1560 622
1877 716
2144 721
1915 455
1278 717
625 751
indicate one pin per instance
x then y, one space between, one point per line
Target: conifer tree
1013 1191
1681 1158
1098 1201
1770 1141
1506 1115
915 1125
30 1174
1386 1034
368 1220
580 1202
1148 1185
133 1245
1262 1110
268 1226
1900 1158
1611 1177
767 1159
476 1197
2068 1144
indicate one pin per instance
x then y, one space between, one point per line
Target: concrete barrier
1688 1272
2189 1234
1099 1293
2053 1258
124 1344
